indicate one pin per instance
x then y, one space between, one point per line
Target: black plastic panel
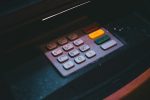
36 79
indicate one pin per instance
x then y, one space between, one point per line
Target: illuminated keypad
74 51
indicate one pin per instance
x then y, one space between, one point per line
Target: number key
62 58
62 41
57 52
51 45
80 59
84 48
67 65
78 42
74 53
68 47
73 36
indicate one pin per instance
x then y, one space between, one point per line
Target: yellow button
96 34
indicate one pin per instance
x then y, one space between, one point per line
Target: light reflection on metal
64 11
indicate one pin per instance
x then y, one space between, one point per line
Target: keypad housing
90 53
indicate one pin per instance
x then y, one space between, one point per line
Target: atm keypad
74 51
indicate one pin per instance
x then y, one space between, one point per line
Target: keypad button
84 48
78 42
102 39
57 52
68 47
73 36
67 65
90 54
91 28
96 34
51 45
62 41
80 59
62 58
74 53
108 44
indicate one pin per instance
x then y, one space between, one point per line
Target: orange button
51 45
96 34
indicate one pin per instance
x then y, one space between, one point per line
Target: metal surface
64 11
99 54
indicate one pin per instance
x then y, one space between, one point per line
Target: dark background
27 75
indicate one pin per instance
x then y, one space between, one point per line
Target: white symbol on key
84 48
68 65
74 53
80 59
78 42
62 58
68 47
57 52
